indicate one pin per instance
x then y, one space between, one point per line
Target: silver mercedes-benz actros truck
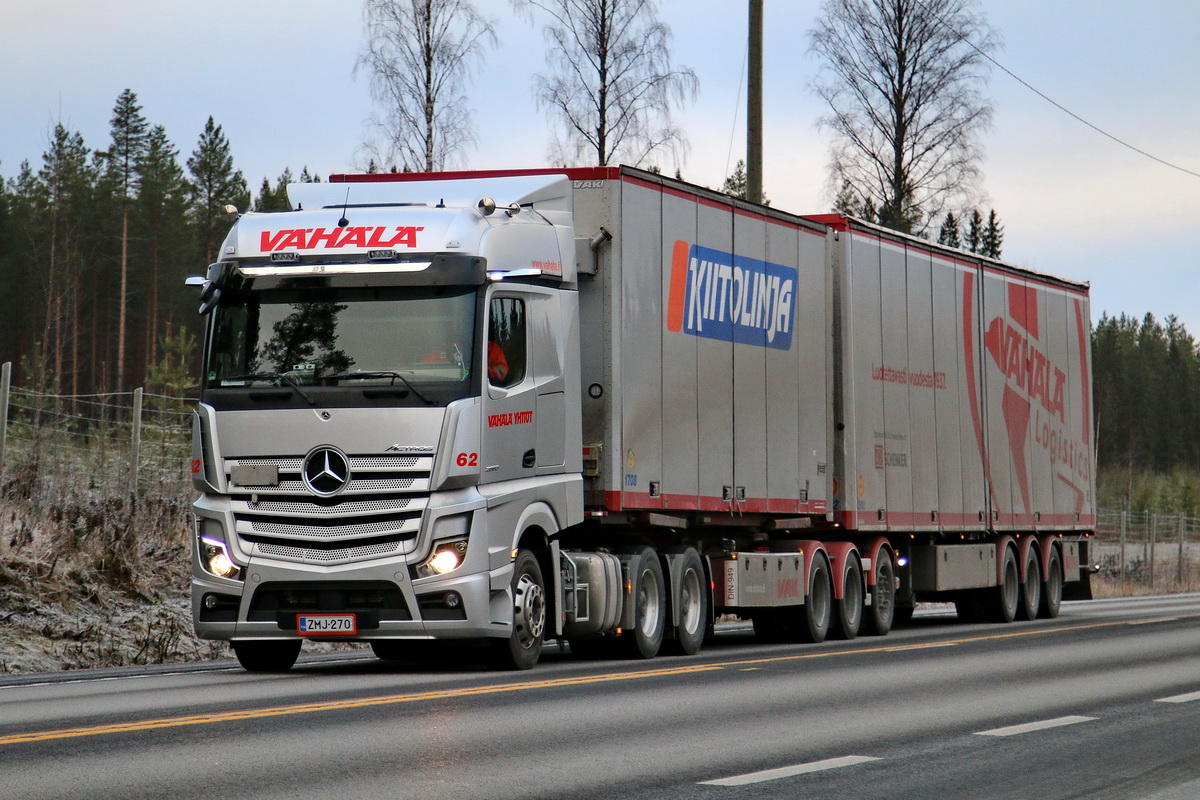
605 407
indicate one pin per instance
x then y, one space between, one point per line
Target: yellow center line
308 708
445 694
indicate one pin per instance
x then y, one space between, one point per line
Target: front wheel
272 656
523 647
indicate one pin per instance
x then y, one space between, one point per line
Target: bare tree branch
903 82
611 83
420 55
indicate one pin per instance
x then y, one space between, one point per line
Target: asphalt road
1103 702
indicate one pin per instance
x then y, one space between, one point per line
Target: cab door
509 441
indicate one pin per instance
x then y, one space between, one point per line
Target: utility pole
754 154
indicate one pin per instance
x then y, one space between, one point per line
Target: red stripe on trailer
573 173
1080 329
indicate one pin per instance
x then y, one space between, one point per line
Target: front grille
335 532
329 556
378 513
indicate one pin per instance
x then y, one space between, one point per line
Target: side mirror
209 298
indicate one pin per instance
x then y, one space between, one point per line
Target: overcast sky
278 75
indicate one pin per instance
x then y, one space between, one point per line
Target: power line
1057 104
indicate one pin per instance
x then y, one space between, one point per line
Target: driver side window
506 341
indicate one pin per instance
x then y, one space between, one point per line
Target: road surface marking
1180 698
1152 621
363 702
788 772
900 647
308 708
1029 727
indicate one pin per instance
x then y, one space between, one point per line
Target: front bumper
384 599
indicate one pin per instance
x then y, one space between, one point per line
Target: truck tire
1031 587
1001 601
818 606
273 656
1052 589
848 612
881 614
809 622
690 598
523 647
649 598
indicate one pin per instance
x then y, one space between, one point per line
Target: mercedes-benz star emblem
326 471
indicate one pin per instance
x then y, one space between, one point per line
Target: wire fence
139 443
122 442
1147 552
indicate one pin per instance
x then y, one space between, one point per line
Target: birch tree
610 84
903 80
420 55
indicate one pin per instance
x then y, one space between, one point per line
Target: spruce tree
121 160
735 184
214 184
274 199
949 234
846 203
161 214
992 241
974 238
64 207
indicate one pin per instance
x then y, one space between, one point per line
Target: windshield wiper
342 376
280 377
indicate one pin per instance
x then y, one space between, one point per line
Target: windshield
420 340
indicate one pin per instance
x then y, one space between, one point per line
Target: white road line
1180 698
1029 727
787 772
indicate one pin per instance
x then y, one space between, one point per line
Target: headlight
215 560
445 558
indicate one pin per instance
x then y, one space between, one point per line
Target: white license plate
326 624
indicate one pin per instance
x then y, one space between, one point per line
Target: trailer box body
704 352
962 392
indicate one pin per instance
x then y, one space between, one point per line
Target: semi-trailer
606 407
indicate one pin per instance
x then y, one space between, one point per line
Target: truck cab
387 424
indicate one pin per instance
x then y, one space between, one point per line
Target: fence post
5 381
1124 526
1153 537
136 444
1179 560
